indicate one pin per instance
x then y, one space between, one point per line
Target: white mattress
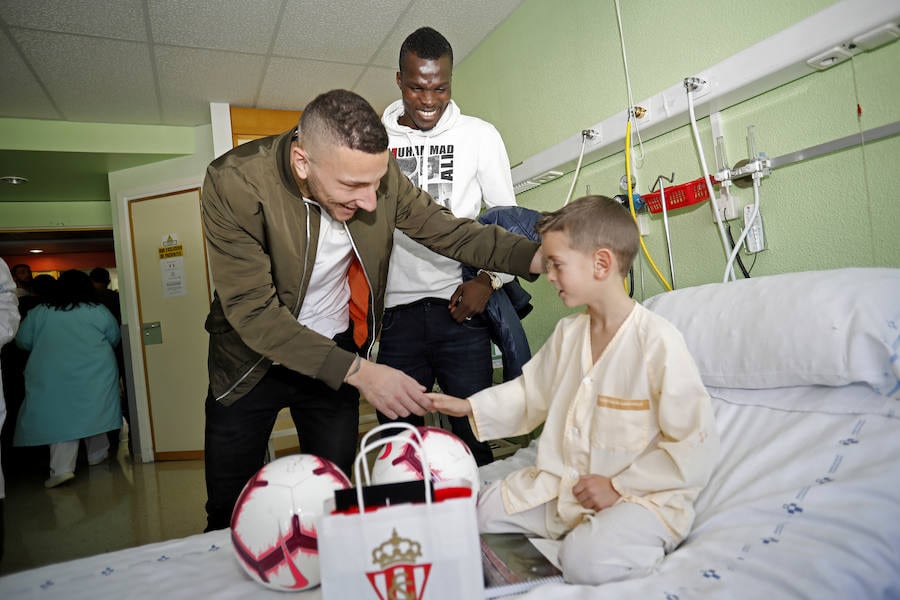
804 504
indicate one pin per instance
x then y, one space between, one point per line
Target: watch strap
496 282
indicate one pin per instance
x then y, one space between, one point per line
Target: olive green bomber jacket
262 240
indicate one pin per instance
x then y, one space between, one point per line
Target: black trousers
422 340
237 436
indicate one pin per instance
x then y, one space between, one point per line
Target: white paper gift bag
426 550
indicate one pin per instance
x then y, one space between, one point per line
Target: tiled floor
107 507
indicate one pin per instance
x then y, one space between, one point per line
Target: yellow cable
631 205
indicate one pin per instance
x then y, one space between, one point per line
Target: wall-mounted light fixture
13 180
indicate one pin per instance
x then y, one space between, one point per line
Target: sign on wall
171 264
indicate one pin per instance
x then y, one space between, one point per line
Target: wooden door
173 293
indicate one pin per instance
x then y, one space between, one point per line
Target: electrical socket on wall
642 114
698 86
643 222
728 208
756 239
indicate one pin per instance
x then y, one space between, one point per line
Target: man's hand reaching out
392 392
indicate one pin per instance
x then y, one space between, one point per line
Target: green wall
553 69
69 163
31 215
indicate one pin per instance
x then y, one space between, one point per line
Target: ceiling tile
94 79
463 22
120 19
291 83
320 29
83 74
238 25
191 78
25 99
379 86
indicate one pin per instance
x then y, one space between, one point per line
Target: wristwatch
496 282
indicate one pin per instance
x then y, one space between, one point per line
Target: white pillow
811 328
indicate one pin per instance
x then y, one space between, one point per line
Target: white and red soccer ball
449 457
273 526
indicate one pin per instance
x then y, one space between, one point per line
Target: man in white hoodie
434 329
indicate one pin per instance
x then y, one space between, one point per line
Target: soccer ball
448 456
273 526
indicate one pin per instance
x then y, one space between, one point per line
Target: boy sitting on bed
629 438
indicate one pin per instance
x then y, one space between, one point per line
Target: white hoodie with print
461 162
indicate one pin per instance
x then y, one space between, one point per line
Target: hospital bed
804 375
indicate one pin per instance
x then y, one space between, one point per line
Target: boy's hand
595 492
450 405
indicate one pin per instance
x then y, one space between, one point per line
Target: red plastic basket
678 196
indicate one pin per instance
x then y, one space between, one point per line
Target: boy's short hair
593 222
342 118
426 43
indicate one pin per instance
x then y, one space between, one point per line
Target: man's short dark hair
426 43
344 119
44 286
100 275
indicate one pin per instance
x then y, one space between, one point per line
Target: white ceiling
161 62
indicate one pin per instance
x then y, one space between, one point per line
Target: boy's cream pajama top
640 416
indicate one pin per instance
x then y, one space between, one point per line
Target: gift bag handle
366 447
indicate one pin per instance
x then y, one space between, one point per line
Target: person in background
71 378
22 276
109 298
629 437
9 324
100 279
41 290
20 460
299 228
434 329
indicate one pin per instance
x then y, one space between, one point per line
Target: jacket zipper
293 312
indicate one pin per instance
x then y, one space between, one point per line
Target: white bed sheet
196 567
805 503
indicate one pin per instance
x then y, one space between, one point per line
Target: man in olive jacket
299 229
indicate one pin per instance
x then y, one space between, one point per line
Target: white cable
862 149
641 271
709 186
628 82
747 227
577 168
665 214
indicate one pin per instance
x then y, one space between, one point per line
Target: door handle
152 333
